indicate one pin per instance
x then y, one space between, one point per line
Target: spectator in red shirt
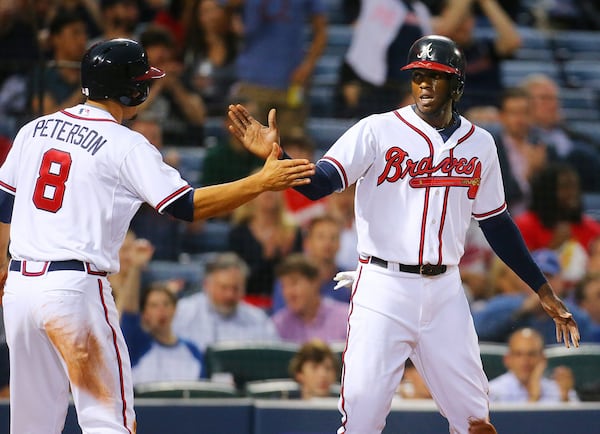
555 219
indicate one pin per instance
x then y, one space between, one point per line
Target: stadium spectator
341 206
320 245
316 369
566 145
483 55
226 159
58 84
520 155
19 51
211 50
300 207
370 80
555 219
134 255
171 99
120 19
156 353
587 296
412 385
218 313
307 314
515 307
275 65
525 380
262 234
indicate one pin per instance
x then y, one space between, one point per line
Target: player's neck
113 108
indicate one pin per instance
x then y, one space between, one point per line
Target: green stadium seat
186 389
492 357
250 361
584 361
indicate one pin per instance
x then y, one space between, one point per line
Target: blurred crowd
265 272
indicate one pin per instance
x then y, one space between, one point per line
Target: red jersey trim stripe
118 353
7 187
340 168
427 189
466 136
495 211
170 198
71 115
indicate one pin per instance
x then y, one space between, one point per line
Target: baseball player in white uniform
68 190
421 173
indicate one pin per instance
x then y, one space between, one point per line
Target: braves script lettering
398 167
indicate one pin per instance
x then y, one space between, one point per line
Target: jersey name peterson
69 132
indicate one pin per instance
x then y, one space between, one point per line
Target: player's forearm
219 199
4 239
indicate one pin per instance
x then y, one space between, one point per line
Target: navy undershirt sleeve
506 240
325 181
7 201
183 208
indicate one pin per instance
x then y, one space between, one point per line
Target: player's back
71 200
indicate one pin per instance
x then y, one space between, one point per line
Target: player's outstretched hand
255 137
281 174
566 327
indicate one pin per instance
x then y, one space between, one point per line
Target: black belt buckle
432 270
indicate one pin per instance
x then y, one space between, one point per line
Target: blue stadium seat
321 100
327 70
335 11
190 165
338 39
580 45
158 271
513 71
584 73
325 131
535 45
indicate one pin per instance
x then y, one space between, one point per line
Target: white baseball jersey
81 176
409 180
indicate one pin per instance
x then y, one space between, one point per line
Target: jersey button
433 222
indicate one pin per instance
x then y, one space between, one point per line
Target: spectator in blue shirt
156 353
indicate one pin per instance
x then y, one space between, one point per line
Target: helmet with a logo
117 69
439 53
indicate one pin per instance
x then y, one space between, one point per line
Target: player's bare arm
255 137
566 327
275 175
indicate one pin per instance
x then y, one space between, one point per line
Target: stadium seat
186 389
492 358
580 45
535 45
280 388
325 131
327 70
250 361
584 361
583 73
190 163
158 271
338 39
513 71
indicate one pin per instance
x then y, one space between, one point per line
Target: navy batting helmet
439 54
117 69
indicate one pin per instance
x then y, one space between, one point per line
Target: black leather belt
425 269
72 265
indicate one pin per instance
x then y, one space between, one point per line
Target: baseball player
70 186
421 173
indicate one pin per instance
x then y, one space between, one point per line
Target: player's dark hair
314 350
544 196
